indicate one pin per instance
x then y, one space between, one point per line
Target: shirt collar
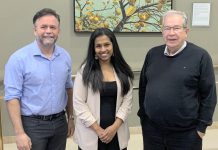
37 51
166 52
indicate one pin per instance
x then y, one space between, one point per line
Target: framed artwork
120 15
201 14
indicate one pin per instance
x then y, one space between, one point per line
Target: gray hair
176 12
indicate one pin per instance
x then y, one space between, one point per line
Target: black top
178 92
108 98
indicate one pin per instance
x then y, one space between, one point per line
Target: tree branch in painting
120 15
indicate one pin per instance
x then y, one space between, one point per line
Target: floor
210 142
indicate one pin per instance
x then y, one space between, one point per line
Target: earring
96 57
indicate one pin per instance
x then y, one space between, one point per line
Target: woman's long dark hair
92 74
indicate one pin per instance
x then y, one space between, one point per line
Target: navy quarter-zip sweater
178 92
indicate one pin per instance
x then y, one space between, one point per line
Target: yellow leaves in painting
78 25
103 25
95 19
115 2
132 2
130 10
143 16
160 4
89 2
89 13
92 17
138 25
90 5
162 1
117 11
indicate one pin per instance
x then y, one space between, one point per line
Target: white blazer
87 109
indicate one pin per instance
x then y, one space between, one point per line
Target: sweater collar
166 52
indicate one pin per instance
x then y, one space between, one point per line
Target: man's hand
71 127
201 134
23 142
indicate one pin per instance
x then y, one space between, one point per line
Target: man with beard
38 88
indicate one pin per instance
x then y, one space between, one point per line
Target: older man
177 93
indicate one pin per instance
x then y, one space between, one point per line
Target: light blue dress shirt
38 82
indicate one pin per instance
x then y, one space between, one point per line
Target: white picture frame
201 14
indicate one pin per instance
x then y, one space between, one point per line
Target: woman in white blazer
102 95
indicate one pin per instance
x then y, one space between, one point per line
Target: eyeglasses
175 28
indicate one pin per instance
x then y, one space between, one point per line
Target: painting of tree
120 15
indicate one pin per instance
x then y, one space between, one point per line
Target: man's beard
48 41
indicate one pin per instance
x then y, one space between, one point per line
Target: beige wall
16 31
